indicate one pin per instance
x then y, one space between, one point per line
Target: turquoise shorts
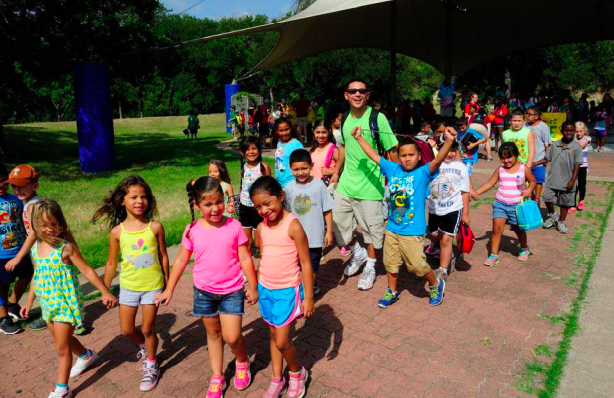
279 307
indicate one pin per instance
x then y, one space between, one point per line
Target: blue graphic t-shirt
12 231
282 160
407 198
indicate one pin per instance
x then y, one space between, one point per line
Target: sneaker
276 389
80 330
571 210
83 363
243 376
436 295
7 326
431 249
344 251
61 394
216 387
358 260
562 227
581 205
452 266
489 159
551 220
367 279
296 384
151 374
441 273
524 254
38 324
142 355
492 260
13 310
316 288
388 299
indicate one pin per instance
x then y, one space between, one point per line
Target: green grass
154 148
543 377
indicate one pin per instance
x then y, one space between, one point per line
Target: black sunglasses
357 90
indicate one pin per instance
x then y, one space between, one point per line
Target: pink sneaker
344 251
581 205
571 210
216 387
276 389
296 384
243 377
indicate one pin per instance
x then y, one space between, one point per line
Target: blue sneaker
437 293
388 299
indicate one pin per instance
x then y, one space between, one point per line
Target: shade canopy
486 30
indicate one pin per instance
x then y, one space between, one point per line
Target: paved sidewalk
590 370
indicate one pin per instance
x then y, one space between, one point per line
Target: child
129 210
407 221
219 171
253 168
425 128
56 284
233 122
434 141
469 154
309 200
221 257
286 145
324 153
521 136
565 157
601 126
448 205
336 126
473 113
283 298
584 140
13 237
541 135
498 119
512 176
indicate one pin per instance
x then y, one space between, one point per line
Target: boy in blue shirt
469 153
408 183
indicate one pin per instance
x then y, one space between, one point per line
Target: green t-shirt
361 177
521 139
193 122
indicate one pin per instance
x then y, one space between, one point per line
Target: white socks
370 262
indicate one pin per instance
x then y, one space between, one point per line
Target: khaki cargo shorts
349 212
399 248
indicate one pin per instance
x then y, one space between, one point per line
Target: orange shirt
279 267
318 157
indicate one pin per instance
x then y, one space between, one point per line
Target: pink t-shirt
216 257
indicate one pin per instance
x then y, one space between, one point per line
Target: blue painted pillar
230 90
94 117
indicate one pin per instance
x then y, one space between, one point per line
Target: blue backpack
528 215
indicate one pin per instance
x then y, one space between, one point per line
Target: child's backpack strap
343 119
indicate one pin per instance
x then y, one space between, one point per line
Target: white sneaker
358 260
367 279
82 364
142 355
64 394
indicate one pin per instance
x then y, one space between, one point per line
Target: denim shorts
210 304
540 173
133 298
469 166
504 210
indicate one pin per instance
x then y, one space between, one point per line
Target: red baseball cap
22 175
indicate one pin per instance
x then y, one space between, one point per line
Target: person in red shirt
498 117
473 101
301 106
262 118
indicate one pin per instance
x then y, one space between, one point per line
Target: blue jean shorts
133 298
210 304
503 210
279 307
469 166
540 173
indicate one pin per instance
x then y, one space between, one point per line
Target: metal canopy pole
393 54
448 44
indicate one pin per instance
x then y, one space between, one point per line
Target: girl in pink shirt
282 296
324 153
512 177
221 257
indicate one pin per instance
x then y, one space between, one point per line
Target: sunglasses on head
357 90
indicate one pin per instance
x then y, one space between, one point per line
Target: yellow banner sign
554 121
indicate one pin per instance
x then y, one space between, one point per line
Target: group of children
288 219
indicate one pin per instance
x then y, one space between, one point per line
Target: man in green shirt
193 124
360 189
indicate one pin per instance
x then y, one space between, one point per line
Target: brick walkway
473 345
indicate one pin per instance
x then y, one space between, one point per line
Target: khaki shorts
559 197
351 212
399 248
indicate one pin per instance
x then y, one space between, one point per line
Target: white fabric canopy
488 28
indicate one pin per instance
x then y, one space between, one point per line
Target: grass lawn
154 148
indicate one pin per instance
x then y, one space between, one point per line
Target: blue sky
215 9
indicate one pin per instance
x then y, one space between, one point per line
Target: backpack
374 129
425 149
465 239
528 215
